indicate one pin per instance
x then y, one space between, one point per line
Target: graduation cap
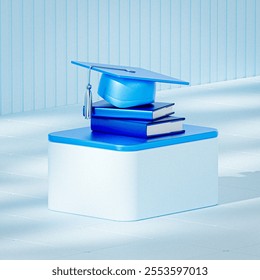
124 86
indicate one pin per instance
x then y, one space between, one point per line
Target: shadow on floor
246 186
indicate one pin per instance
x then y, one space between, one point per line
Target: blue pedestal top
85 137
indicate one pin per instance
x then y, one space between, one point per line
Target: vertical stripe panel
257 38
155 37
1 100
93 31
104 31
134 43
195 44
71 43
185 39
82 47
50 53
175 34
93 39
214 41
39 55
165 40
28 57
204 42
241 39
61 52
17 55
222 40
6 57
231 40
124 32
114 10
250 37
145 34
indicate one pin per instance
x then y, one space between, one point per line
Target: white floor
231 230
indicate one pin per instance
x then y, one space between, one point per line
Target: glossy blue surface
85 137
125 86
125 93
132 73
104 109
134 128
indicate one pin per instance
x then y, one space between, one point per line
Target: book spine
122 113
117 126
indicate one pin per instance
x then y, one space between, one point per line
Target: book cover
138 128
150 111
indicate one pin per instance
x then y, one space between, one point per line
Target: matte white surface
127 186
230 230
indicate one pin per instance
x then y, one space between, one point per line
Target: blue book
138 128
150 111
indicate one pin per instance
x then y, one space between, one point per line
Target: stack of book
150 120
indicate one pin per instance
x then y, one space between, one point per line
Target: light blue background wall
196 40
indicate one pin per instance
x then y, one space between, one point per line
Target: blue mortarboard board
125 86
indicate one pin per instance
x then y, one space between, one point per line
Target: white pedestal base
128 186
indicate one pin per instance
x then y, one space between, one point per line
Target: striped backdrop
201 41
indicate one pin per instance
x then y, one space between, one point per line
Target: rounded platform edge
85 137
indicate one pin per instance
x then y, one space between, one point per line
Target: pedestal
125 179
